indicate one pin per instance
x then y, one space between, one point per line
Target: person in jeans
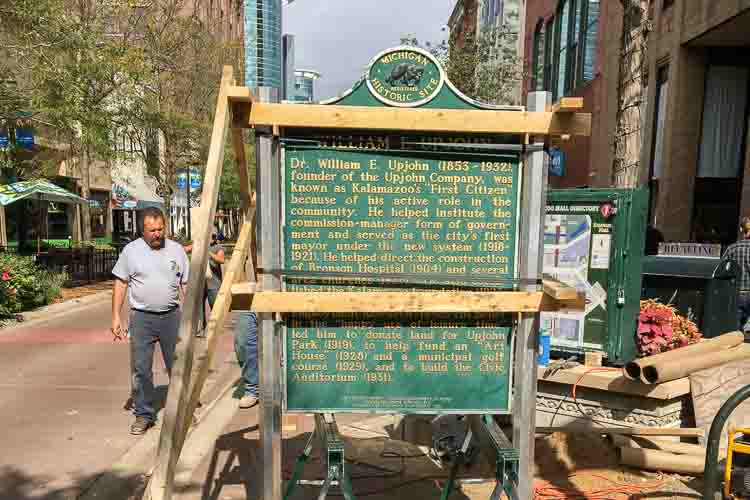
740 253
246 348
216 258
153 271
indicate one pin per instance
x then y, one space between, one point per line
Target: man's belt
158 313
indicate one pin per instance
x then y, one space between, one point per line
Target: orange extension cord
544 490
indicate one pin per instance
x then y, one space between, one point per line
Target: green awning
38 190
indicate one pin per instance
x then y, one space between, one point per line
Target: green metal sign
405 365
405 220
366 210
405 77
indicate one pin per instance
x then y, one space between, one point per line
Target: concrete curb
128 475
54 311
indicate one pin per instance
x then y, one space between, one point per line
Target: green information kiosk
593 241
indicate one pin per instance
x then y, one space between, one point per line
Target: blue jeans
743 311
146 329
246 348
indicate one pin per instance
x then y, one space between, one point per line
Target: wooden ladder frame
239 107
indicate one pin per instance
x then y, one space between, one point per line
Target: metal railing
81 265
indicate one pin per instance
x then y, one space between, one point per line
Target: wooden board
216 320
560 291
162 481
568 105
427 120
628 431
399 302
240 94
616 382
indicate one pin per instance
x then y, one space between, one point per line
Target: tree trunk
633 59
85 168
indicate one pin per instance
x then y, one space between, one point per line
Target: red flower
5 276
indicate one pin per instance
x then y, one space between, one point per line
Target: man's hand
116 329
118 297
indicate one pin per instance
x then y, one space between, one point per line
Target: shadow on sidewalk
233 470
17 485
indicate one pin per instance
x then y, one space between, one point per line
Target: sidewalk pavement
63 383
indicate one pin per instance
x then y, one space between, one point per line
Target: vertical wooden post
3 228
269 250
179 385
240 162
531 229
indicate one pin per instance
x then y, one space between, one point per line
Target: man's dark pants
146 329
210 294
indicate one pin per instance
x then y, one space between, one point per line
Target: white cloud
338 38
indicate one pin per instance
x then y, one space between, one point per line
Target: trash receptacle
702 288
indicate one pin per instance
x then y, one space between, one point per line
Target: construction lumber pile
682 362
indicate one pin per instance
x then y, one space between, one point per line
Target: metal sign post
533 201
269 250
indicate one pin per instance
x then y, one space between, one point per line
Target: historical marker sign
450 218
385 213
405 78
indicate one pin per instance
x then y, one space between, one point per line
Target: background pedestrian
740 253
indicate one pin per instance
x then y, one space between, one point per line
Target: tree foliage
485 67
93 72
69 67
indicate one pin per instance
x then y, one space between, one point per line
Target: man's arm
118 298
217 257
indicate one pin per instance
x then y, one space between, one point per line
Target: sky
338 38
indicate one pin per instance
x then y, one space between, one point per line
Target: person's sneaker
248 401
140 426
129 405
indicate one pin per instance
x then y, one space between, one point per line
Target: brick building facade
694 110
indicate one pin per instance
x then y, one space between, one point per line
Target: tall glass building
304 85
263 52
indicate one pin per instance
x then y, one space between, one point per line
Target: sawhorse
330 443
496 446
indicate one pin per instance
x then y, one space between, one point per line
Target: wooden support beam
415 119
568 105
216 321
240 164
246 297
162 480
240 94
558 290
628 431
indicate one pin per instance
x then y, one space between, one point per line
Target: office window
588 38
561 41
537 76
657 155
548 44
574 32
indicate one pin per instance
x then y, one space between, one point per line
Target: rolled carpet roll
633 370
663 461
672 369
